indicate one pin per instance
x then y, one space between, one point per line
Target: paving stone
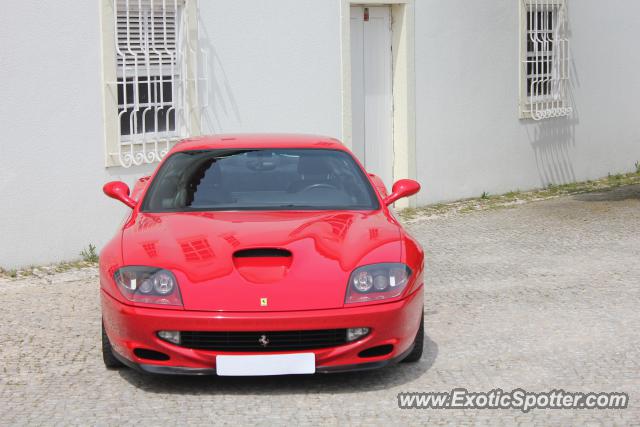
542 296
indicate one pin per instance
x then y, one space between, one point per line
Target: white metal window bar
157 78
545 59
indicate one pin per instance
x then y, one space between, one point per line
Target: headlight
148 285
377 282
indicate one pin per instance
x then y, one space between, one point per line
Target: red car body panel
198 247
393 323
221 292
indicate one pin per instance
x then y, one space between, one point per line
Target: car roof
258 141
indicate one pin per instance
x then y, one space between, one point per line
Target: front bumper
130 327
181 370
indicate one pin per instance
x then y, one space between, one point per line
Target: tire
418 344
110 361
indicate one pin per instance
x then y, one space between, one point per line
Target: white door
371 89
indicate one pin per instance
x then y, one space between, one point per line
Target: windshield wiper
292 206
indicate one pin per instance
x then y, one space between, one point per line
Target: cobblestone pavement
542 296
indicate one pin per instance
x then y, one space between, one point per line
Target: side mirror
120 191
402 188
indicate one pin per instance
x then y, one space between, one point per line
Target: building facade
466 97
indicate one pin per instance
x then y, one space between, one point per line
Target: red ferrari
260 255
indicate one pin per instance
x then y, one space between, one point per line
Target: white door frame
402 27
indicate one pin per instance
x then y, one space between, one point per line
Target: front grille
263 341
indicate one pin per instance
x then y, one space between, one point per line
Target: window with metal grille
149 61
151 97
544 59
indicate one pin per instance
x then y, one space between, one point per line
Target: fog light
170 336
356 333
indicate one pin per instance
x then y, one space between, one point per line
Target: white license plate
267 364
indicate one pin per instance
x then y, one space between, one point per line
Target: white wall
51 148
469 137
275 67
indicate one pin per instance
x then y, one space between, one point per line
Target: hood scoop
262 265
262 253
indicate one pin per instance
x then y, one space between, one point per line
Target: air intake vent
262 253
145 353
263 341
380 350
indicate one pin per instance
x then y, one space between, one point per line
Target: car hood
262 261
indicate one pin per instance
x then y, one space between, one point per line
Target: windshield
273 179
